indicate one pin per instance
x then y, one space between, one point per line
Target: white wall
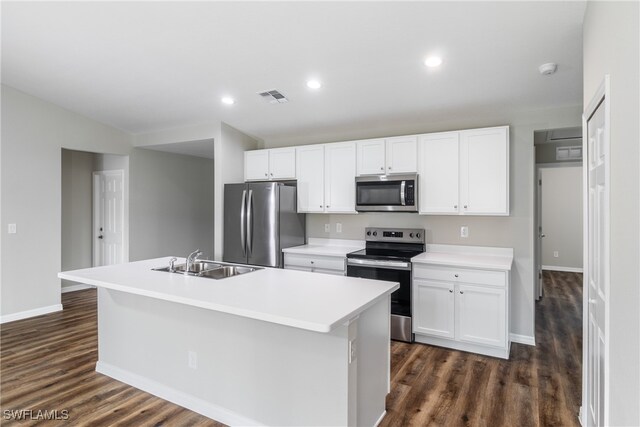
562 217
515 231
611 46
33 134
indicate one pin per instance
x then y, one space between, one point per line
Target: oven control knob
418 235
375 233
368 233
411 235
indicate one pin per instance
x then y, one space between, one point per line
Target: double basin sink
210 269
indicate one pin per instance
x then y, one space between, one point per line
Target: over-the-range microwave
387 193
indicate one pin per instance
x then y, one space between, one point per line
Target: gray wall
77 176
171 204
33 134
562 217
611 46
515 231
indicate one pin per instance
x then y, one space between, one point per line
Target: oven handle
402 186
393 265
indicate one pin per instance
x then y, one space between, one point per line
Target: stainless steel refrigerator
261 219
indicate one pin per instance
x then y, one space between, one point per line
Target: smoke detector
273 96
548 68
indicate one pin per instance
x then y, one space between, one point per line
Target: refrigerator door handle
249 223
243 209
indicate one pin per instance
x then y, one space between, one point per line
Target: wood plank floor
48 362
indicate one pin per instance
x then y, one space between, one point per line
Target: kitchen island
270 347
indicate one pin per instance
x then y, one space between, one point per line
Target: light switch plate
464 231
327 228
555 254
11 229
338 227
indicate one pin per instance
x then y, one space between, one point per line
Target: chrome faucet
172 264
193 256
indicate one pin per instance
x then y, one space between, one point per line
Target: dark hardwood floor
48 362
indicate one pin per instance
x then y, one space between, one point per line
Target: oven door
386 193
391 271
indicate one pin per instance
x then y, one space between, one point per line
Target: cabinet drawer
314 261
480 277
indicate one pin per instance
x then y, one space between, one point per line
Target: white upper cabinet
340 174
438 173
310 174
401 154
386 156
256 165
275 163
282 163
484 171
465 172
326 178
371 156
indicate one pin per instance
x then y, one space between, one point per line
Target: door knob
542 235
100 237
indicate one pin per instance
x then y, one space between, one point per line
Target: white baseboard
30 313
523 339
558 268
380 419
185 400
77 287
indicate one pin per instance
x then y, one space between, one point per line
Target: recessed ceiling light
433 61
314 84
228 100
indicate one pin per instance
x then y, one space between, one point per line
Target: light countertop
487 258
327 247
315 302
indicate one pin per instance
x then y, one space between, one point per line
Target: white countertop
327 247
487 258
315 302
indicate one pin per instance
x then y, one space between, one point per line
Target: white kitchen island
271 347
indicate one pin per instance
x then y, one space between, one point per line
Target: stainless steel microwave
387 193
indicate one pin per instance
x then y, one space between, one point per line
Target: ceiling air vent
273 97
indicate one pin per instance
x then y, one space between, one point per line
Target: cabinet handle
461 292
265 174
465 206
311 262
389 167
381 168
455 206
271 173
320 206
455 275
327 206
450 291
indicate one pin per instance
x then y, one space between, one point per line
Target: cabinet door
481 314
282 163
370 155
310 174
438 173
433 308
340 174
484 171
256 165
401 154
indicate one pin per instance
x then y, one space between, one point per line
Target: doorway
77 225
108 217
558 210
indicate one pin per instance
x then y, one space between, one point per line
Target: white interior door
539 234
595 364
108 217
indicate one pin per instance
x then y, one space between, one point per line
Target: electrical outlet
338 227
464 231
555 254
352 350
193 360
11 229
327 228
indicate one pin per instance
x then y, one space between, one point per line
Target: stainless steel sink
227 271
210 269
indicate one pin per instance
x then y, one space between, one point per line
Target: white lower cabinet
461 308
316 263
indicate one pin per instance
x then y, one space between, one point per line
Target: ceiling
148 66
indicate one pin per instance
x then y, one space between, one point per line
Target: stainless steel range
387 256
